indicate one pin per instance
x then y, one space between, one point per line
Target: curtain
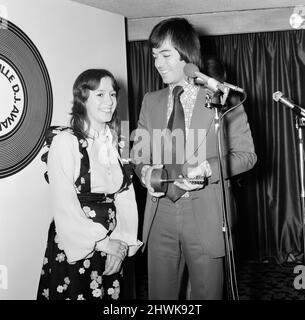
268 197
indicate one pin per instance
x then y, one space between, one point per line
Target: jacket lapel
160 110
202 118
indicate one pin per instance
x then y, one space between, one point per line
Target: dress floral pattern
82 279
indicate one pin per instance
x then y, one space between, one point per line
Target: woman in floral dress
93 202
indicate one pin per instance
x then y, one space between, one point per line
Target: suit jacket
238 156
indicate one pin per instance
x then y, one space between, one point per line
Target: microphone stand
300 124
231 282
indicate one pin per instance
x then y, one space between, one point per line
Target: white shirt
77 233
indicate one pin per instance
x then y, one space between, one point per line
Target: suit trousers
173 239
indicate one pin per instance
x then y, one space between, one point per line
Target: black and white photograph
152 153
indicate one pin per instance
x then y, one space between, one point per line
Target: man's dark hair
183 37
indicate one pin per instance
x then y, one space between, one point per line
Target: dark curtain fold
268 197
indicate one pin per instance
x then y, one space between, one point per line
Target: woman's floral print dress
83 279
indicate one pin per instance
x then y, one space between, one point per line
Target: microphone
192 71
279 96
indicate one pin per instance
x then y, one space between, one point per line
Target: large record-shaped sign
25 99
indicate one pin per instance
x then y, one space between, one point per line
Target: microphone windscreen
190 69
277 95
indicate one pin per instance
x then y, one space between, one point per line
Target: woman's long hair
89 80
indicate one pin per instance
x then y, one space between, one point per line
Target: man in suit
187 227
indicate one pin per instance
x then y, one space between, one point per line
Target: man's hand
203 170
146 178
